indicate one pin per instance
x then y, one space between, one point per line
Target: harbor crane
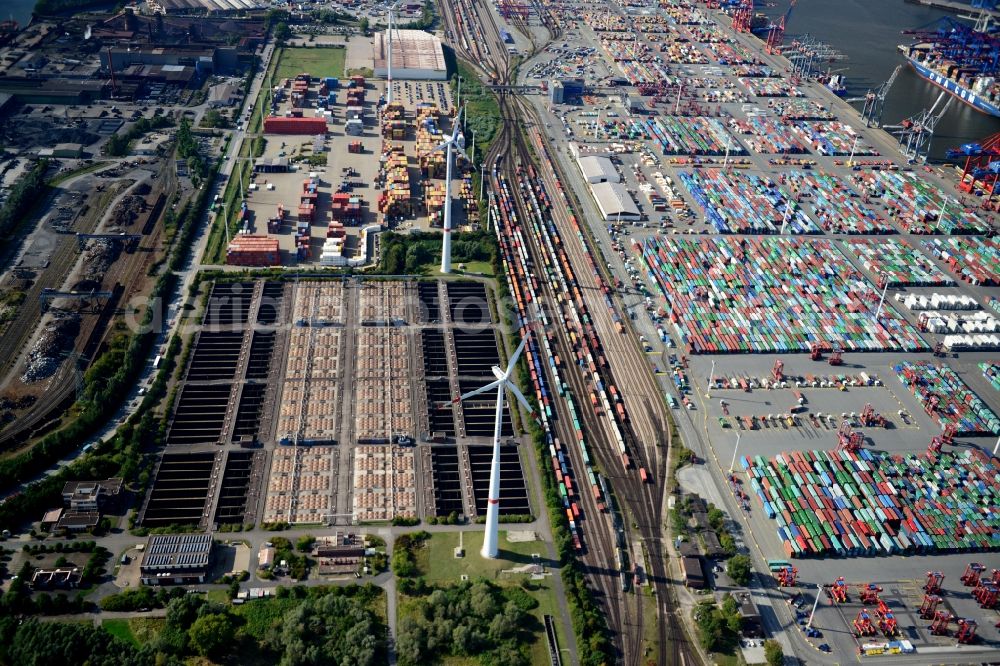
915 133
776 32
874 100
743 16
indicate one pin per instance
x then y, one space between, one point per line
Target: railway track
642 428
124 277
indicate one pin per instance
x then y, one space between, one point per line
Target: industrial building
416 55
694 574
176 559
598 169
615 202
91 495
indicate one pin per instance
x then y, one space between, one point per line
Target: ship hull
964 95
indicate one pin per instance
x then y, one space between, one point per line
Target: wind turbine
457 142
388 55
502 382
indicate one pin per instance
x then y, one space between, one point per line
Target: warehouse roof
172 551
411 49
598 169
614 200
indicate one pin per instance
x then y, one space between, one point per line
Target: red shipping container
308 126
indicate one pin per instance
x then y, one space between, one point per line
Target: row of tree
23 195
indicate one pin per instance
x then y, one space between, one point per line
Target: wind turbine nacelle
460 141
498 373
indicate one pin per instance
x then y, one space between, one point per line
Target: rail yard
563 285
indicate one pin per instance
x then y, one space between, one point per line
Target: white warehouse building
598 169
416 55
615 202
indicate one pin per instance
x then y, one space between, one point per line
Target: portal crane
47 295
915 133
972 573
838 591
743 16
946 438
869 594
776 32
874 100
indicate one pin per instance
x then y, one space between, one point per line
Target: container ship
962 60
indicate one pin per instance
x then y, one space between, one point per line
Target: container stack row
870 503
992 373
769 137
733 295
947 398
837 207
832 137
743 203
903 264
975 259
248 250
692 136
919 205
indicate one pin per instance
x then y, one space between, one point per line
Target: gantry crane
915 133
776 31
874 100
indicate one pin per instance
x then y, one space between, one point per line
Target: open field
315 61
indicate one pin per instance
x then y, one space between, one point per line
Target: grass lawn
650 634
218 596
318 62
437 561
261 614
146 629
478 267
438 564
120 629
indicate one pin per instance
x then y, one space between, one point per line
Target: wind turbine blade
461 151
521 399
483 389
514 357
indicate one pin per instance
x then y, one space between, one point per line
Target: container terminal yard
758 216
708 254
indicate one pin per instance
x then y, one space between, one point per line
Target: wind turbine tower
490 541
454 142
388 54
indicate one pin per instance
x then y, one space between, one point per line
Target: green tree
363 24
710 625
738 569
212 635
331 629
394 259
773 653
305 543
213 118
282 32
